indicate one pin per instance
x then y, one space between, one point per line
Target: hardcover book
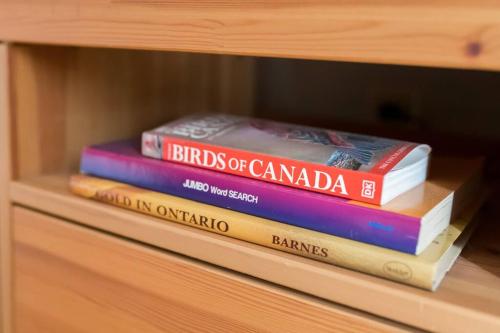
360 167
424 271
408 223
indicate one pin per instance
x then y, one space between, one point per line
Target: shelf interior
68 97
64 98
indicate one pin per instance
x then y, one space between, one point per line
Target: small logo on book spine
368 189
397 270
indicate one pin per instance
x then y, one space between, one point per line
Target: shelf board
442 33
157 291
468 299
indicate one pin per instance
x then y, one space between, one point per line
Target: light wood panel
66 98
38 79
5 178
446 33
467 300
71 279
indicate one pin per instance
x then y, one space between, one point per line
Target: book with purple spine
408 223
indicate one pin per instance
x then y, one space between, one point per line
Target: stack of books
356 201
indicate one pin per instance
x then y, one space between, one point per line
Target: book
424 271
359 167
408 223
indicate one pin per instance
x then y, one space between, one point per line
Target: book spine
326 214
330 249
356 185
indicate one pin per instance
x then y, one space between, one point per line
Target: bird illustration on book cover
350 151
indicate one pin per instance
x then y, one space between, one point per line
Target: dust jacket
354 166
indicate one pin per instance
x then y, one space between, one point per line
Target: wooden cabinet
74 73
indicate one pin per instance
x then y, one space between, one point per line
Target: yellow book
425 270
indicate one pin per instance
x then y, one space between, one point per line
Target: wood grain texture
468 299
71 279
38 92
66 98
447 33
5 178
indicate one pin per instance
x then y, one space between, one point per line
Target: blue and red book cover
354 166
396 225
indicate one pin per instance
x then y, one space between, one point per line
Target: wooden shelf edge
43 243
431 311
5 177
447 35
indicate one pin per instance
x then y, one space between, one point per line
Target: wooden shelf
157 291
441 33
468 299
